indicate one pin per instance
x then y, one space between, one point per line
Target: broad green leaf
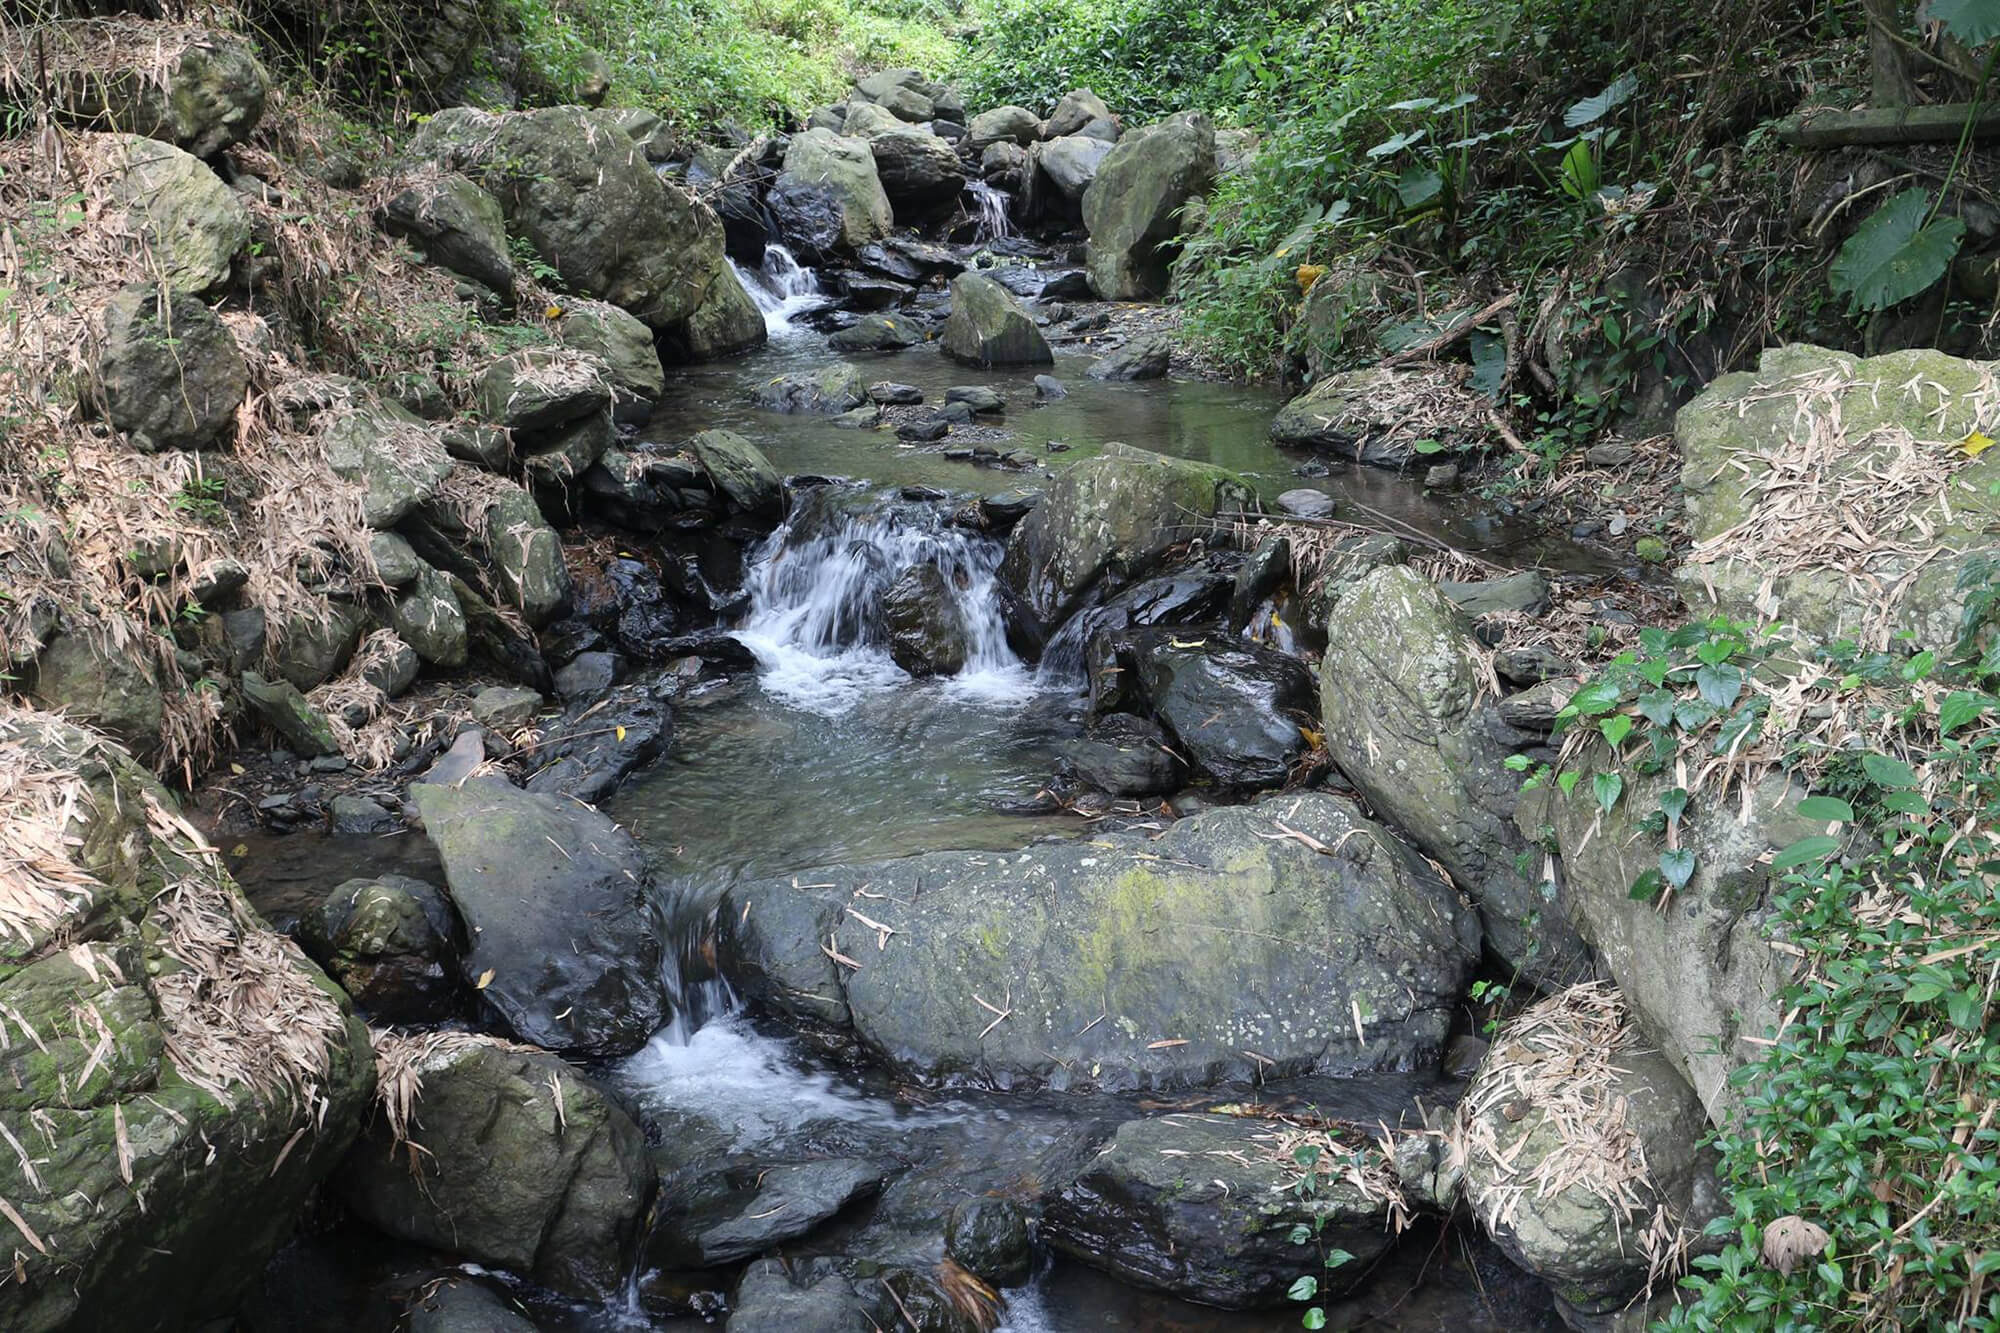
1600 696
1677 866
1967 1010
1974 22
1412 104
1567 781
1906 803
1887 772
1605 787
1616 727
1580 176
1674 803
1396 143
1816 848
1314 1318
1960 707
1895 254
1592 109
1304 1289
1489 363
1657 708
1418 186
1647 887
1719 685
1826 807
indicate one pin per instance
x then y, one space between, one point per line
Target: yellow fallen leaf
1976 444
1308 274
621 733
485 980
240 849
237 769
553 311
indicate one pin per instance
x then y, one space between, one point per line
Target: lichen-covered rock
1368 415
825 392
1103 955
171 375
113 690
457 225
150 1019
201 89
391 453
829 199
313 643
527 556
917 169
1003 124
1582 1153
1702 977
576 185
167 207
1132 208
988 326
1408 719
524 1164
740 471
427 616
280 706
541 389
1203 1206
556 897
726 322
1107 516
1070 162
392 943
1767 455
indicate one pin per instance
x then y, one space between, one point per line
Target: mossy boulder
565 945
726 322
739 470
170 374
543 389
457 225
1124 961
279 706
825 392
526 556
1111 516
918 170
1202 1206
579 189
525 1165
1409 720
1835 493
426 615
167 207
394 455
392 943
1132 209
1003 124
1383 414
179 1077
112 689
829 199
201 89
988 326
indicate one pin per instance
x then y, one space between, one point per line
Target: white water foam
990 206
816 611
782 288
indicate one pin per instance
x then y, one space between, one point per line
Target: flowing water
782 288
990 207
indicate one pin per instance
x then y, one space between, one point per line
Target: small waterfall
782 288
816 599
990 205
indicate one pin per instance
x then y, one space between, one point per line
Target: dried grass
401 1061
1557 1061
41 884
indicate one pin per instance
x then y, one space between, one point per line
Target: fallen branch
1888 124
1424 350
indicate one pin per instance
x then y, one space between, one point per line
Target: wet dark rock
1123 755
585 757
978 397
768 1301
556 897
1529 664
498 642
889 393
588 677
1092 323
989 1239
1004 509
926 430
280 706
357 815
752 1211
955 414
527 1166
1305 502
392 943
926 632
462 1304
1072 937
862 292
1144 358
740 471
1267 569
1049 389
1526 592
1199 1206
479 444
876 333
1235 708
1069 285
988 326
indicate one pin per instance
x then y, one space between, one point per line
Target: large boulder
164 207
504 1154
829 199
111 689
540 389
456 225
918 170
1203 1206
1133 207
523 555
624 346
1003 124
201 89
565 945
170 372
1701 975
1286 936
1239 710
392 943
179 1078
1071 162
825 392
1582 1154
1144 358
739 470
427 616
394 456
865 120
1112 515
1382 414
988 326
1767 456
1078 109
726 322
1409 718
578 188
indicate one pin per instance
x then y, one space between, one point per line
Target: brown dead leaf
1791 1239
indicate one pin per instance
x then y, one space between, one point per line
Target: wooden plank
1889 124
